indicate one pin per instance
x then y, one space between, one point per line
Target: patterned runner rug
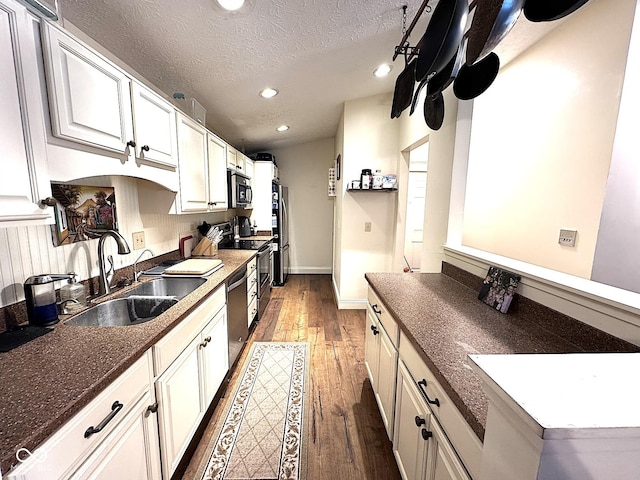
261 433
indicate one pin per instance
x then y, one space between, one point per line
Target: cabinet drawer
386 320
172 344
463 439
252 309
252 282
67 448
252 266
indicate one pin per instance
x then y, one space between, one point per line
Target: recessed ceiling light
268 93
231 4
383 70
283 128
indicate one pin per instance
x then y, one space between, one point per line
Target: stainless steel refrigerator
280 226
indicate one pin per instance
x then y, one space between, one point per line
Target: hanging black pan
492 21
442 36
547 11
403 91
441 80
473 80
434 111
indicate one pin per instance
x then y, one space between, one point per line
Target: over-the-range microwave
240 194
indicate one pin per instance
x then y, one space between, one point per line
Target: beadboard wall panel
26 251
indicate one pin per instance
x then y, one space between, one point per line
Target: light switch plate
367 226
567 238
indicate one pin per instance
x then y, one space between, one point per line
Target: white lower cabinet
131 451
180 406
381 359
412 418
187 386
115 432
431 440
420 446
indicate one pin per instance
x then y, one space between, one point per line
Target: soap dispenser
40 297
73 291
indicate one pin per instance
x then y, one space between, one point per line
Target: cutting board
194 266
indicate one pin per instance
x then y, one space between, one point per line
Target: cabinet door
232 157
131 451
411 418
192 160
154 128
179 407
89 97
386 391
248 167
20 190
214 355
445 464
372 348
217 155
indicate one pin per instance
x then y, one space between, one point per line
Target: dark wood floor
345 435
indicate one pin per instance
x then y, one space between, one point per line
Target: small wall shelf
387 190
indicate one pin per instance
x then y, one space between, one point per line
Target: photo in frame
498 289
82 212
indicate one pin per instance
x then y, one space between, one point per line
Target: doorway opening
416 197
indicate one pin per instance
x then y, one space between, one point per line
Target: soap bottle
73 290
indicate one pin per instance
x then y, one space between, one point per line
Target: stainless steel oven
264 277
240 194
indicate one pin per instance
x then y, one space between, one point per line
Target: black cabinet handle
420 421
115 408
145 148
206 342
374 330
131 144
376 309
426 434
423 388
48 202
152 409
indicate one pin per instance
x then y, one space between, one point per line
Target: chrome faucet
136 274
104 281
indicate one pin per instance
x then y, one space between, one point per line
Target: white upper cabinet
232 157
248 167
155 128
192 159
24 178
217 173
89 97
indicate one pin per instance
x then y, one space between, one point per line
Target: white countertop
568 395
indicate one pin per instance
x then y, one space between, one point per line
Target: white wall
304 170
370 140
541 142
616 259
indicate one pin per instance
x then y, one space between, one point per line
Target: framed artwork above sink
82 212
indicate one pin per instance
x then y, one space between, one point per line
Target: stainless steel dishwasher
237 323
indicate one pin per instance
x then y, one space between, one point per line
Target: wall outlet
138 240
367 226
568 238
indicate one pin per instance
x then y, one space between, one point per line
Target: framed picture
82 212
338 162
498 289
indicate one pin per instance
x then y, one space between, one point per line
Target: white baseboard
359 304
606 308
310 270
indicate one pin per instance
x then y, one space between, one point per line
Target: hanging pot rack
404 48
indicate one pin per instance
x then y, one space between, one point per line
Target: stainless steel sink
167 287
132 310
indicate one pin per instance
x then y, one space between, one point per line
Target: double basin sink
140 304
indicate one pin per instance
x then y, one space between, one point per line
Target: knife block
205 248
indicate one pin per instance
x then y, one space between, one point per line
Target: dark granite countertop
46 381
445 321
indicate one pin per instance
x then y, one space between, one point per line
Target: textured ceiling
317 53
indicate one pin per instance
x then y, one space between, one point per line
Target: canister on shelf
365 179
378 179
